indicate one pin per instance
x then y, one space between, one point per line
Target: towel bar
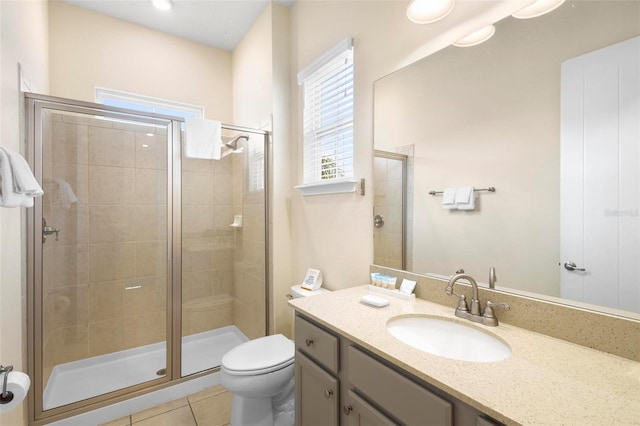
490 189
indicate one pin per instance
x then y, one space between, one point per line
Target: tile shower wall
388 204
223 267
104 281
249 263
207 244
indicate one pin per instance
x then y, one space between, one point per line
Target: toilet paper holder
6 396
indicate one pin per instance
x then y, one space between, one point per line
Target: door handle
570 266
48 230
378 221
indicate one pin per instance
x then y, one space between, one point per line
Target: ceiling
218 23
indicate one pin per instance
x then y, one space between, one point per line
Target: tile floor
210 407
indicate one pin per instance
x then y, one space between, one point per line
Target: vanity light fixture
162 4
476 37
538 8
428 11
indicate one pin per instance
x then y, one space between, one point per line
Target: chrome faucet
487 317
492 278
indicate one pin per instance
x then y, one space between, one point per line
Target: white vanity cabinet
339 382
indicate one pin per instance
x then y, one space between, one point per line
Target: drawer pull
347 409
309 341
328 393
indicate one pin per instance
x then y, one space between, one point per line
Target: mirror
490 116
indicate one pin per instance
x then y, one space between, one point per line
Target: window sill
329 187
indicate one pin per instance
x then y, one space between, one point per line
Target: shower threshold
87 378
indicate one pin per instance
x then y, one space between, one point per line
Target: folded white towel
449 198
203 138
18 186
465 198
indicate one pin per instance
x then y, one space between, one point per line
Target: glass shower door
224 251
102 315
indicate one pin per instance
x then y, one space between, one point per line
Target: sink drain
161 372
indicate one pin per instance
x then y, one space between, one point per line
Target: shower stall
144 267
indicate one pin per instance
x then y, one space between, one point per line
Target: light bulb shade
476 37
538 8
162 4
428 11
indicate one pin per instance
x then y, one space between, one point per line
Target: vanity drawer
402 398
318 343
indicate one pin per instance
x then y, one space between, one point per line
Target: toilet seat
259 356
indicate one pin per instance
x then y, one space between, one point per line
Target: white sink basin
449 339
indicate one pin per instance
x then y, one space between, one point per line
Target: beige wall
334 233
261 99
89 50
23 35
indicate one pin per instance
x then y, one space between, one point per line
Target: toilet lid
259 356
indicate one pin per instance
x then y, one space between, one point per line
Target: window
147 104
328 116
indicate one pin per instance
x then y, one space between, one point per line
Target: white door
600 177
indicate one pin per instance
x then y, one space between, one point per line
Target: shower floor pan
79 380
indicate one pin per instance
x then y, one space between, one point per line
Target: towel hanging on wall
465 198
203 138
18 186
449 199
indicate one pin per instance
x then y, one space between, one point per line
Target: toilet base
276 411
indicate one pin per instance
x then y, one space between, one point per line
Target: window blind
328 116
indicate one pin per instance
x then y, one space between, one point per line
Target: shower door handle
48 230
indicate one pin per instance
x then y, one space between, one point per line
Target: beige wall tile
114 261
71 142
73 224
112 185
197 254
70 265
106 336
150 222
111 147
145 329
150 186
151 151
145 295
197 221
72 344
151 258
197 165
106 300
222 190
112 223
76 175
197 188
69 306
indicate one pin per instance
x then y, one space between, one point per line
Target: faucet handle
462 303
488 308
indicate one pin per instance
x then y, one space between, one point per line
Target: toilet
260 375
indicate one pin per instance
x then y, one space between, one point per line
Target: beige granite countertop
545 381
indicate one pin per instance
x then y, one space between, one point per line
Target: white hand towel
465 198
23 180
449 199
8 196
203 138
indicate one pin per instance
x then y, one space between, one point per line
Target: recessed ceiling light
162 4
428 11
538 8
476 37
